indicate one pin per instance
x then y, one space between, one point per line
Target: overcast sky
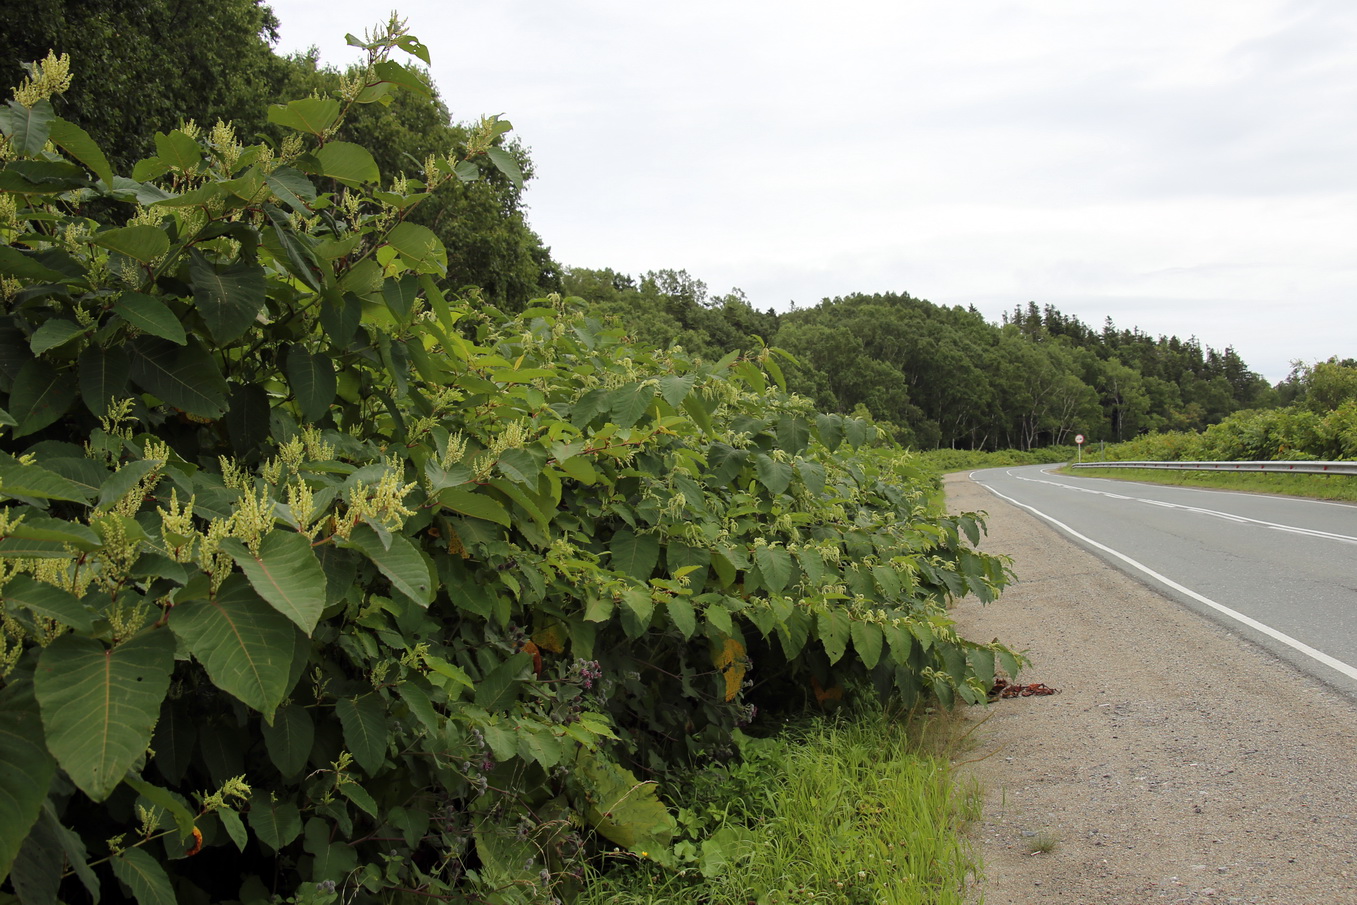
1185 166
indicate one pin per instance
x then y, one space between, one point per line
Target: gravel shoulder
1178 764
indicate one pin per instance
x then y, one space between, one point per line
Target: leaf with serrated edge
99 705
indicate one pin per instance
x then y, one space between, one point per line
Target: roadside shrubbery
318 578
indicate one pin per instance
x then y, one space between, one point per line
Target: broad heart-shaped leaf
419 248
629 402
103 376
27 128
477 505
401 562
867 638
145 876
178 150
793 434
186 378
313 381
312 114
349 163
289 739
141 243
773 475
228 296
287 574
365 729
99 706
830 430
150 315
276 823
635 554
26 769
499 688
76 142
41 394
776 565
245 645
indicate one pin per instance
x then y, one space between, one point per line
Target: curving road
1281 571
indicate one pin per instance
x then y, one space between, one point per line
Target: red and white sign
1079 438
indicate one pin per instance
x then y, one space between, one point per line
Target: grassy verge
1311 486
848 810
944 461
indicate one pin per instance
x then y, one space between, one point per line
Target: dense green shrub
317 579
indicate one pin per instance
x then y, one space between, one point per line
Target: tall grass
843 811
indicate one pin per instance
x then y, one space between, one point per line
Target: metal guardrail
1348 468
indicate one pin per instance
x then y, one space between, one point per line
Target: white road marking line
1227 516
1317 655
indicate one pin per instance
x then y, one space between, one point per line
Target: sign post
1079 440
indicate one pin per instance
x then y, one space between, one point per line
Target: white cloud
1183 167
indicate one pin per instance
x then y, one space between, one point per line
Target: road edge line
1317 655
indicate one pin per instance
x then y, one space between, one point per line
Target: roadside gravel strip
1179 763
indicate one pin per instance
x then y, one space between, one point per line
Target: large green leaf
103 376
228 296
477 505
26 770
186 378
36 482
635 554
629 402
867 639
506 164
145 876
41 394
54 332
27 128
286 573
15 263
47 600
499 688
276 823
312 115
177 150
623 809
141 243
366 731
833 628
775 563
99 705
313 381
419 247
349 163
401 563
289 739
245 645
150 315
76 142
775 476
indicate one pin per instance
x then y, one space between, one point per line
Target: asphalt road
1280 571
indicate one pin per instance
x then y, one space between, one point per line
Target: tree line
935 376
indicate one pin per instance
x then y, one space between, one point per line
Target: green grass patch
861 808
945 461
1311 486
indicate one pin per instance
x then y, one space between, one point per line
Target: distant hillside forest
935 376
946 377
